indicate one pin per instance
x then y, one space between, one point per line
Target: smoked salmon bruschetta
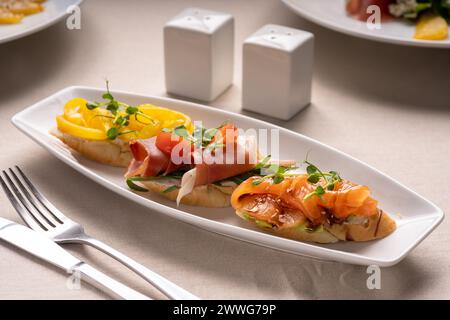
315 206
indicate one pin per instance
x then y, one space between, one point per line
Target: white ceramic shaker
199 51
277 71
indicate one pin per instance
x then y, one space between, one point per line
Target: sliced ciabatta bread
209 196
372 228
112 152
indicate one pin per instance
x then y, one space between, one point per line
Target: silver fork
42 216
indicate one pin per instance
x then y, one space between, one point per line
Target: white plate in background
54 11
416 217
332 14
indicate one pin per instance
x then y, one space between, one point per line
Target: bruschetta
322 211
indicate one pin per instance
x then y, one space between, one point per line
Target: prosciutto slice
212 168
224 158
234 156
148 160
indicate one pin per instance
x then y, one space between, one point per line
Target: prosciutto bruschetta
314 207
182 169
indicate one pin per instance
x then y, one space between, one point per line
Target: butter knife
42 247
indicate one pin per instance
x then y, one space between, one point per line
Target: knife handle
167 287
107 284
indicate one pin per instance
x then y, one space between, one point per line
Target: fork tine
21 210
40 197
36 204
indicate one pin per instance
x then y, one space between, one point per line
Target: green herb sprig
116 109
201 137
315 175
133 186
277 173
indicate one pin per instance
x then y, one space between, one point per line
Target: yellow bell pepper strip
114 119
79 131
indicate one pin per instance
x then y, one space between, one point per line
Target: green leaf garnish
170 189
107 96
263 162
117 109
113 107
274 172
92 105
329 180
112 133
320 190
132 110
133 186
278 179
182 131
209 134
257 182
314 178
311 169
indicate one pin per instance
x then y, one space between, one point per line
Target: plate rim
39 27
356 33
215 226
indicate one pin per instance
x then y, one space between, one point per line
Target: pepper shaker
277 71
199 50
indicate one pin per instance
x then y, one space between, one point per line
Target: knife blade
45 249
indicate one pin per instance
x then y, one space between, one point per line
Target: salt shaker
277 71
199 50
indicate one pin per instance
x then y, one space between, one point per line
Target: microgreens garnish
263 163
315 175
273 172
276 174
201 137
92 105
135 187
183 132
120 114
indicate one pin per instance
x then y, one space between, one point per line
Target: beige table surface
386 105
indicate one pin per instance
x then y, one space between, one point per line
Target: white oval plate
418 215
55 10
332 14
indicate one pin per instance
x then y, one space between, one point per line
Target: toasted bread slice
116 153
209 196
375 227
301 234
